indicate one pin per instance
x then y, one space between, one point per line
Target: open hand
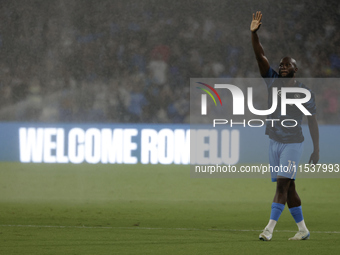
256 22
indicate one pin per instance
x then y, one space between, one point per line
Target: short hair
292 60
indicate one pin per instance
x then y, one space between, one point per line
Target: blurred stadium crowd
131 61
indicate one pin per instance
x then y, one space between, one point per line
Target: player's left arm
314 132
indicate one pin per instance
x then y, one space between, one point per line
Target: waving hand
256 22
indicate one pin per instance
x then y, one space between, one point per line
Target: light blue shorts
284 159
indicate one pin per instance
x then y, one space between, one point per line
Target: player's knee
281 190
283 186
292 186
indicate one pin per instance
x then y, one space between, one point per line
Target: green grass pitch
154 209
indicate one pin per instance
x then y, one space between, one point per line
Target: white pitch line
146 228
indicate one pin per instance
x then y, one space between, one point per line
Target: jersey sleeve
310 105
270 76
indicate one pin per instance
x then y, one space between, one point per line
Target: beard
290 74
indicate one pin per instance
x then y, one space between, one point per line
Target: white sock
271 225
302 226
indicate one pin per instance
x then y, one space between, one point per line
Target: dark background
131 61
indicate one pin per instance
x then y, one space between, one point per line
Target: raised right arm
262 61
